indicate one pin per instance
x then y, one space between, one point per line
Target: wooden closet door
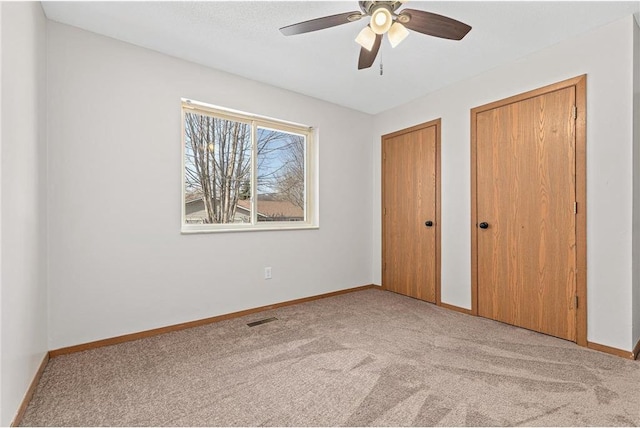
409 212
526 199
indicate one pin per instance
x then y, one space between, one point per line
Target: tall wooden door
526 206
410 212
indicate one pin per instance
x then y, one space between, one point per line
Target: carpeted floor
364 358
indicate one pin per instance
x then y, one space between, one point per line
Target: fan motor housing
368 6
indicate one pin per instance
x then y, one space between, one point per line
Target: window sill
248 228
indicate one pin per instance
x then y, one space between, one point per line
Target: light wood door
410 214
525 201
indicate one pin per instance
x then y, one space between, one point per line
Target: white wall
605 55
1 412
118 263
636 183
23 224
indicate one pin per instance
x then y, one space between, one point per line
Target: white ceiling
242 38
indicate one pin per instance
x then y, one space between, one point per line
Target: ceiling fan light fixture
384 16
381 19
366 38
397 33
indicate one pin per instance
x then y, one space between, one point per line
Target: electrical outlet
267 273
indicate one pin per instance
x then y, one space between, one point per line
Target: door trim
437 124
580 84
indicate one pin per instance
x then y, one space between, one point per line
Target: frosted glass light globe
381 20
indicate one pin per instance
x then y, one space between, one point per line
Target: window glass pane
281 176
217 170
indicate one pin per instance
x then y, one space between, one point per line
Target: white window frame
311 179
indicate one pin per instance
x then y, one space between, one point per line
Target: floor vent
264 321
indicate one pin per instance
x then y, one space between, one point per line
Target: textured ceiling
243 38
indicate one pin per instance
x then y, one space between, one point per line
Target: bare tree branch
217 162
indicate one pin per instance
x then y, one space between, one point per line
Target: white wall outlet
267 273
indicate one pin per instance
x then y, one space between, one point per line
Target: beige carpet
365 358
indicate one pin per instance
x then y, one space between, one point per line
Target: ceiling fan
384 19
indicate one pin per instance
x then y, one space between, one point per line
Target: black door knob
428 223
483 225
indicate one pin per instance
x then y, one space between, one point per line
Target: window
244 172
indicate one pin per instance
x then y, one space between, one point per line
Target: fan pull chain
381 70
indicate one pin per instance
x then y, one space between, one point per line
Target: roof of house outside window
268 206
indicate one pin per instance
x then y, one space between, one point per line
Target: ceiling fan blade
367 57
320 23
435 25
